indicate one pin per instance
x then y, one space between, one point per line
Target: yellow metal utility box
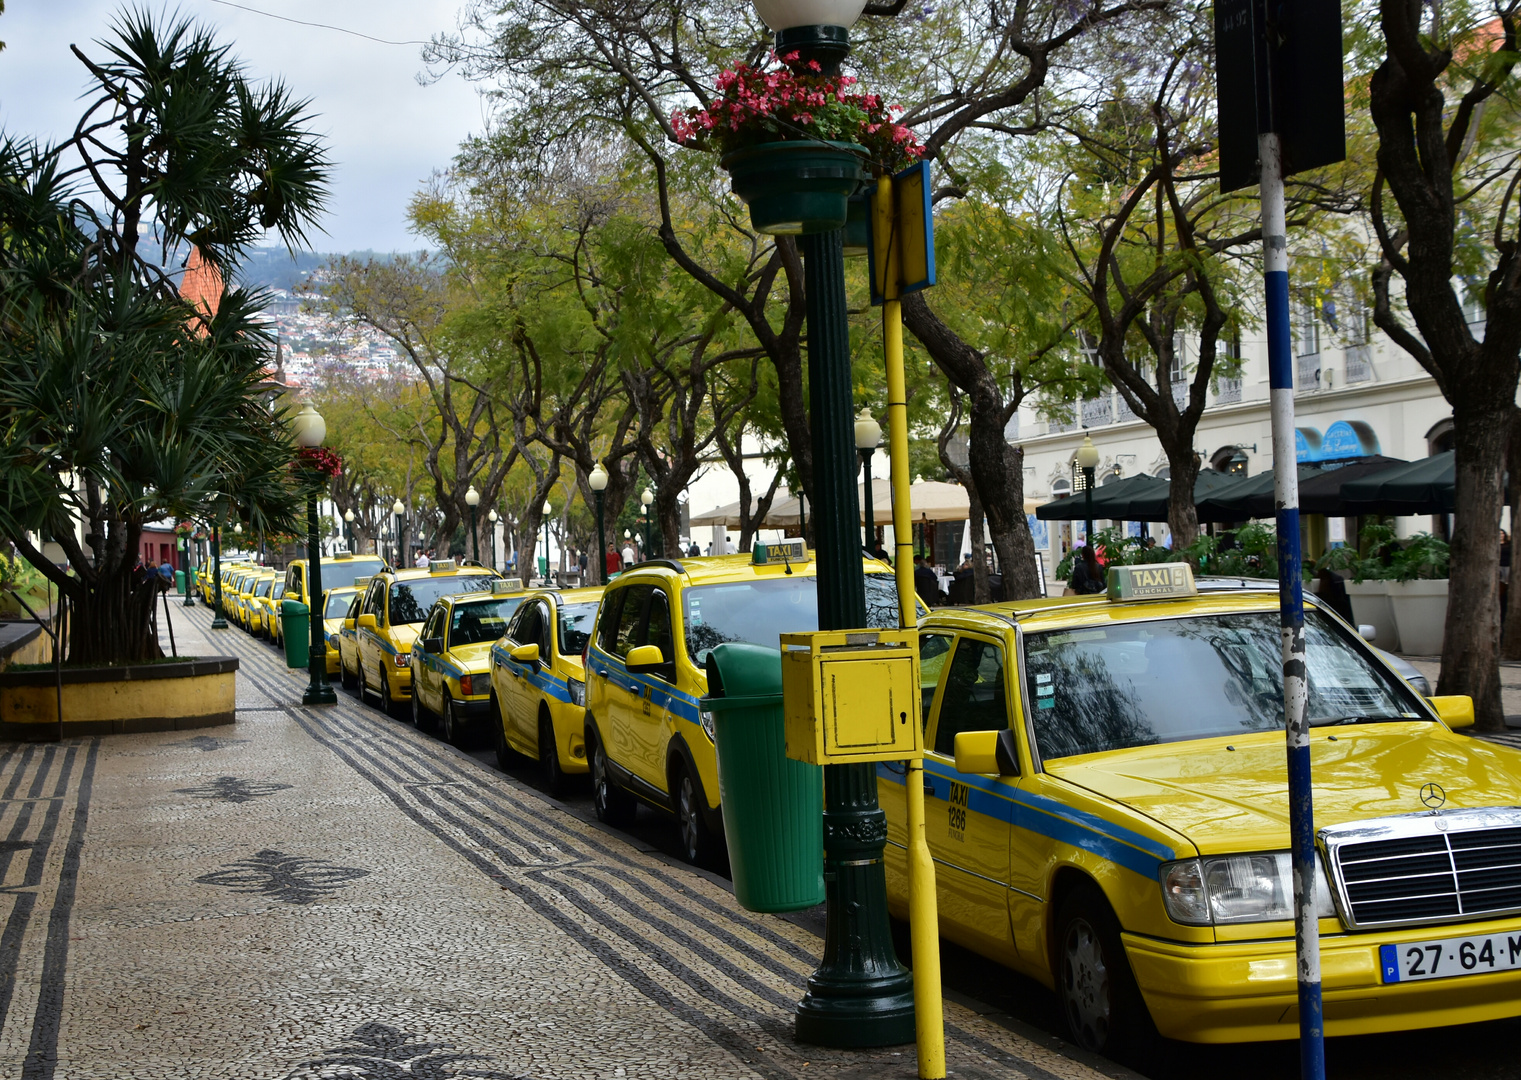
851 695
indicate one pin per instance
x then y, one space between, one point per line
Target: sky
385 133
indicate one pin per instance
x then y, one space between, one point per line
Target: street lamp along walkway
310 429
597 481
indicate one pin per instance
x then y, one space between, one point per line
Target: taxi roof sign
507 585
792 549
442 566
1157 581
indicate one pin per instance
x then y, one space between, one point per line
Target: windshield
472 624
336 574
278 590
410 600
761 610
575 627
337 604
263 588
1133 684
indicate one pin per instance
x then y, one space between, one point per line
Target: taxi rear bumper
1248 991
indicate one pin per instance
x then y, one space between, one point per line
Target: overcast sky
385 133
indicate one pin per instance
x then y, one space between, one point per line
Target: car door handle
929 789
602 672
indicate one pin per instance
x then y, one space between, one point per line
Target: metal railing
1359 363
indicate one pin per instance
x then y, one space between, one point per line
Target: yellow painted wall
129 701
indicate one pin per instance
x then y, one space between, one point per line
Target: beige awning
928 500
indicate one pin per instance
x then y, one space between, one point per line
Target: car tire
506 756
388 703
452 730
613 805
420 718
349 681
549 758
1095 988
697 840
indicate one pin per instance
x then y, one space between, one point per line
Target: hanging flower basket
797 143
796 187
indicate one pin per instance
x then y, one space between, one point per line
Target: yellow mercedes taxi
258 588
348 637
451 658
645 671
538 682
237 601
267 610
1106 799
393 609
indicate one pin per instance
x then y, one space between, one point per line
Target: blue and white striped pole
1275 257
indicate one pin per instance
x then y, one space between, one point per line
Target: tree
1442 102
120 401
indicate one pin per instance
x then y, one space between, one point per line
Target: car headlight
577 690
1221 889
705 718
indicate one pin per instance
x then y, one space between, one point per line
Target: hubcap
1085 986
688 801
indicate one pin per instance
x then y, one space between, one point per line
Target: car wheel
1098 994
549 757
387 701
613 805
419 714
696 838
454 731
349 681
506 756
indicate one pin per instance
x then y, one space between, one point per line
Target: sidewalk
327 893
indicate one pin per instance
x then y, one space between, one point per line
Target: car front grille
1427 868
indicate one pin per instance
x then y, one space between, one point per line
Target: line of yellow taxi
451 658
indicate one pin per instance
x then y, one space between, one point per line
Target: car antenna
786 562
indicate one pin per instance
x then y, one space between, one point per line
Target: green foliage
1381 556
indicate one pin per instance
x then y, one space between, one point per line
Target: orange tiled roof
202 283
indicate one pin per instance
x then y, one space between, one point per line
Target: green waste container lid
738 669
294 607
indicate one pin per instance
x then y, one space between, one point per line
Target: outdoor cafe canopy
1135 498
1419 487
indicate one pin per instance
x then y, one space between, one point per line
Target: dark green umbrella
1321 492
1107 499
1246 497
1420 487
1152 505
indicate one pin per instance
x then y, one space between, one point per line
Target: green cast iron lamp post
399 512
868 435
189 541
1087 460
860 995
597 481
217 621
472 500
310 430
645 499
348 523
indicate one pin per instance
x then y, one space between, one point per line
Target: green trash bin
179 582
773 806
295 629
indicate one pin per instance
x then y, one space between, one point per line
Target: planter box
1420 612
1370 604
117 700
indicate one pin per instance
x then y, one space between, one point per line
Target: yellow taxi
394 607
1106 802
267 623
338 569
348 637
253 607
646 740
236 599
451 658
538 682
335 606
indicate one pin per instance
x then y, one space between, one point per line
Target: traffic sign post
1279 81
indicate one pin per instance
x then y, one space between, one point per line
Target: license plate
1450 957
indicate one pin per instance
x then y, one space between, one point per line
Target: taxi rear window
575 627
338 572
1119 685
472 624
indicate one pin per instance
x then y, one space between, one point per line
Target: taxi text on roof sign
791 550
1154 582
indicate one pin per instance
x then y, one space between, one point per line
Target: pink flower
813 65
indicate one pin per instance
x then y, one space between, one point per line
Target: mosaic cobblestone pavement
326 893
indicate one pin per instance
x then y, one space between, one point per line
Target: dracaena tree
122 401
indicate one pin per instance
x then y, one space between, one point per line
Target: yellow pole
923 909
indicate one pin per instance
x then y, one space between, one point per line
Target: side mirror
366 622
1367 631
1454 710
987 752
348 624
644 659
433 644
525 654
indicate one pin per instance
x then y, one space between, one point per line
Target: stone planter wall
193 693
1420 612
1370 605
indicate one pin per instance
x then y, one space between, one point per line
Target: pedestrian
926 583
165 576
582 562
422 559
612 563
880 552
630 556
693 551
1332 591
1087 574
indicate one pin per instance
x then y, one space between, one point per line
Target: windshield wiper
1332 721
